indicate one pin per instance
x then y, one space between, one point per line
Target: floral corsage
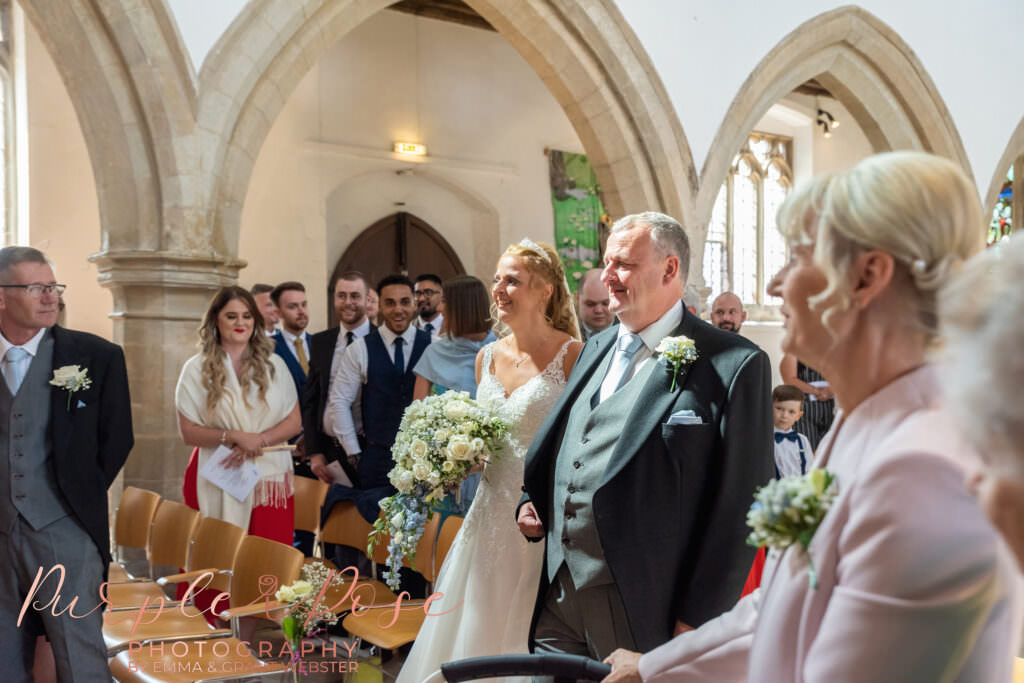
789 510
677 351
71 378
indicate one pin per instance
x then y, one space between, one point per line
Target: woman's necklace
520 361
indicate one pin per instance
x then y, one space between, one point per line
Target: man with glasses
65 408
428 304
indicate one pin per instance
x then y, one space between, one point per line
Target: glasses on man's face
426 292
36 290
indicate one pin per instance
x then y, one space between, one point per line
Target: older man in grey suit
62 444
642 475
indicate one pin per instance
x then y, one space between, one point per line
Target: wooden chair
214 548
345 526
257 558
133 518
370 625
309 500
169 541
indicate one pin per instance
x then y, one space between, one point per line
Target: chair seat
118 574
170 624
135 594
195 660
373 625
368 591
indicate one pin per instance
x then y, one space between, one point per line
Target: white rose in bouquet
448 466
460 449
456 410
285 594
421 471
419 449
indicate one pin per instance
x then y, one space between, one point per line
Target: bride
492 572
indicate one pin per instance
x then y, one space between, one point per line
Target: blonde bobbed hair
982 331
919 208
542 261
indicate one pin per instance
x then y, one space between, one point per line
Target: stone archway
867 66
586 55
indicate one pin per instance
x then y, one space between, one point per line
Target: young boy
793 453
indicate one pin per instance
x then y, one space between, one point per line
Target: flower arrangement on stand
441 439
789 510
308 612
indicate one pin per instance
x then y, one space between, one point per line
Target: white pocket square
80 405
684 417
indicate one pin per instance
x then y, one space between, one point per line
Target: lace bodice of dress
527 407
523 411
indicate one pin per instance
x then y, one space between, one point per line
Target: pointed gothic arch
867 66
585 54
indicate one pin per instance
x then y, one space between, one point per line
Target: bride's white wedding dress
491 569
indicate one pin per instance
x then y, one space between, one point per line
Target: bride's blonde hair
542 261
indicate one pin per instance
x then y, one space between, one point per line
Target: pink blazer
914 584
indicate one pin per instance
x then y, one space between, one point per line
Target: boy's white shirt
787 455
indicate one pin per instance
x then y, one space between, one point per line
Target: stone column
159 301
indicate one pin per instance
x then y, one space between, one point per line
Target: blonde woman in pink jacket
912 582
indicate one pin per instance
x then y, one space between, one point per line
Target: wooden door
400 243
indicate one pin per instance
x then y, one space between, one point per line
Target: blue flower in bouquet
441 438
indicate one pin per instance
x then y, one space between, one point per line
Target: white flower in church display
677 352
440 440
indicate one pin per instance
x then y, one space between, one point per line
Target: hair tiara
533 246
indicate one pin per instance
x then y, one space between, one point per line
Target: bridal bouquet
440 440
789 510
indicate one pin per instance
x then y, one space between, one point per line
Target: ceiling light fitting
827 122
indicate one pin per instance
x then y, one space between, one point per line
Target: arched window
1003 220
743 249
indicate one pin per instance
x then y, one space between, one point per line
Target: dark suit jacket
288 355
671 507
314 396
92 438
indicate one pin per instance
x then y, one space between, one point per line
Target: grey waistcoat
28 484
588 440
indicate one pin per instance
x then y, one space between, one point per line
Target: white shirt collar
290 338
32 345
389 337
361 331
660 328
436 322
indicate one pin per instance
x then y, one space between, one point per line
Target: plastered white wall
63 211
325 172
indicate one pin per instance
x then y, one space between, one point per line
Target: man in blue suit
291 342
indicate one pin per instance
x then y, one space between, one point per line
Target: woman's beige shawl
275 486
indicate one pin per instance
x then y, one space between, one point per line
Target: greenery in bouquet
441 439
789 510
308 611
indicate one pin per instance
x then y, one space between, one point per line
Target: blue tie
15 371
399 356
429 328
787 436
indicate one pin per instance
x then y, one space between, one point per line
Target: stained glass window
1002 216
743 248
